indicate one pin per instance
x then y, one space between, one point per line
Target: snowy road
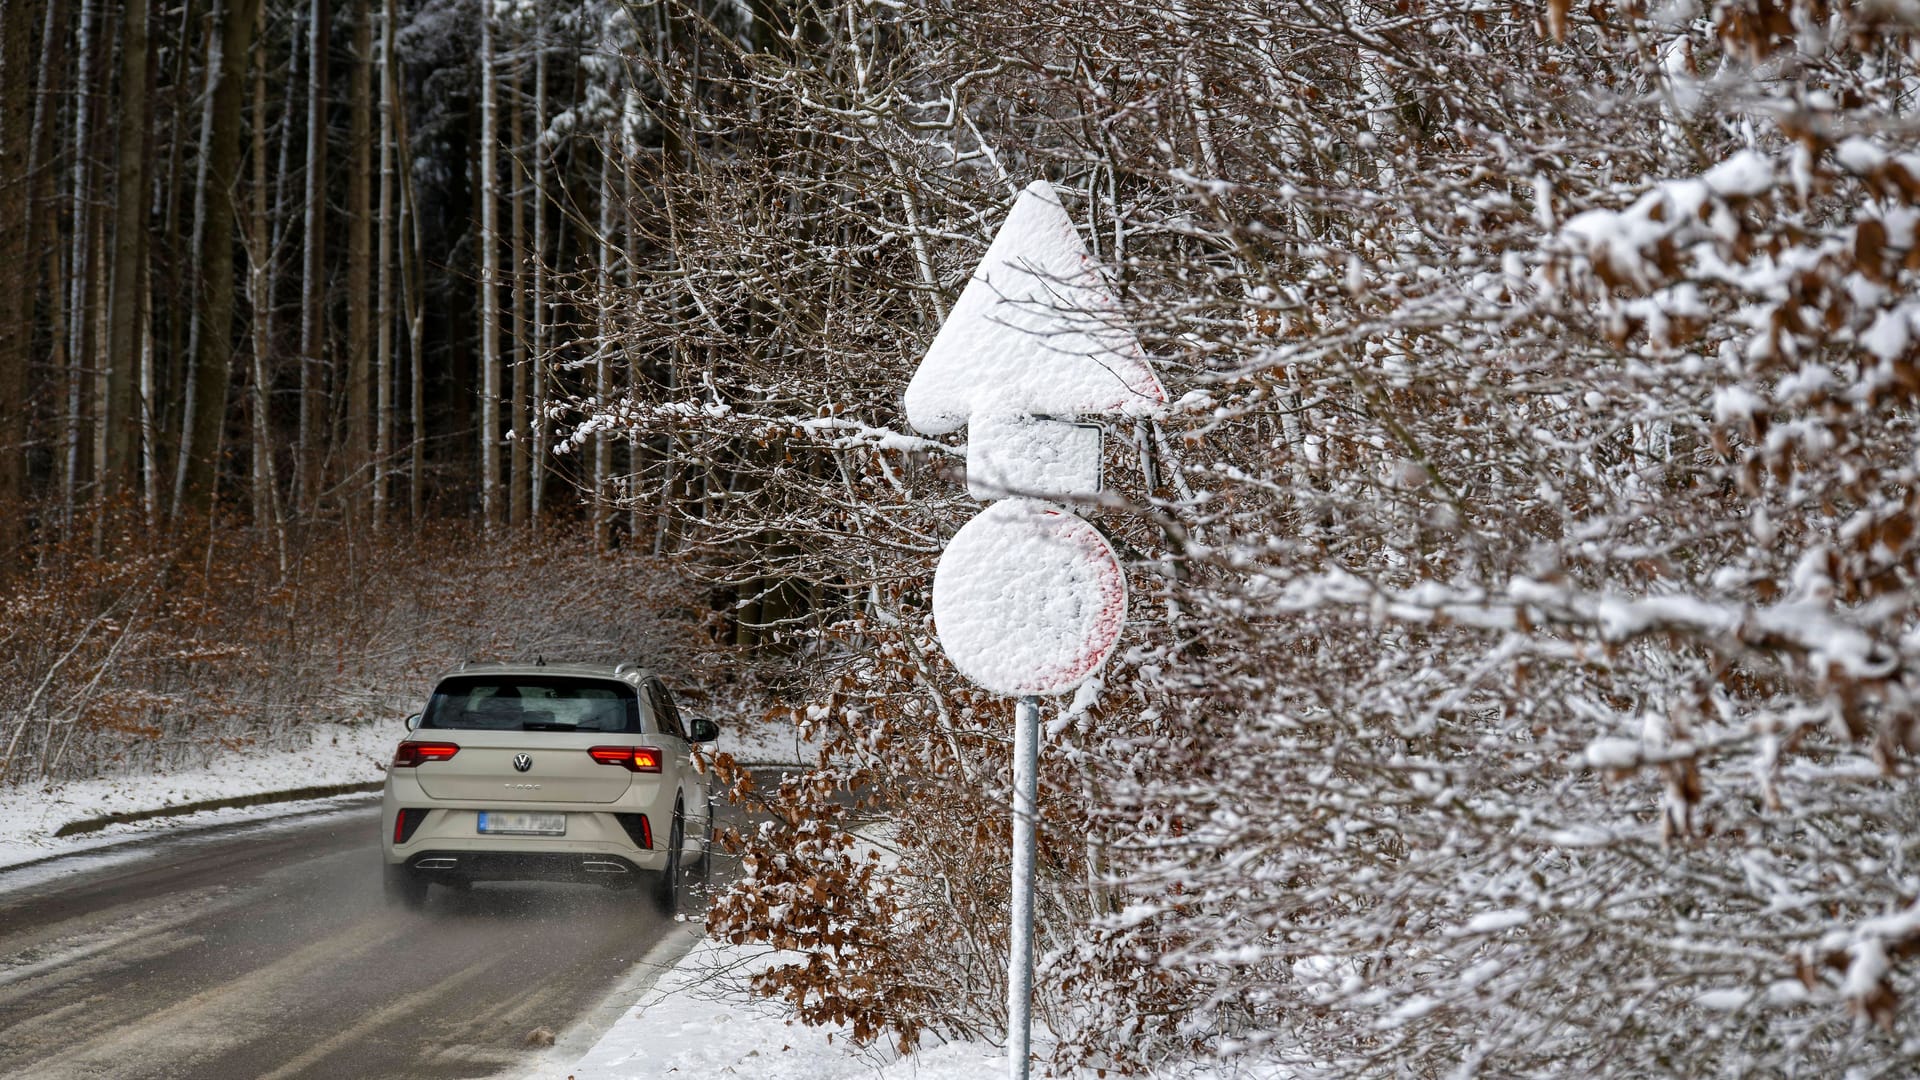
268 951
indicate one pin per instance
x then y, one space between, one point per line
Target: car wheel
405 888
666 893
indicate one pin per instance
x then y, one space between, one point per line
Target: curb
324 791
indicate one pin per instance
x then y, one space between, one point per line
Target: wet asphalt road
269 951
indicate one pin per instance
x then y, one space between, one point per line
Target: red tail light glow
411 754
632 758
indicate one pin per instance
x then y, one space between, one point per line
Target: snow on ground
698 1021
335 754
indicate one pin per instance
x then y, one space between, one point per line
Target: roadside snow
753 743
335 754
698 1020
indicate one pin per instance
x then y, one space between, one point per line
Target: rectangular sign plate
515 823
1036 456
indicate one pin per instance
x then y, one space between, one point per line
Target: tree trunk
119 424
213 356
50 248
259 237
262 281
517 207
279 221
38 202
359 260
313 281
489 330
39 149
536 483
412 290
80 365
151 469
597 488
638 449
171 358
383 296
99 294
45 216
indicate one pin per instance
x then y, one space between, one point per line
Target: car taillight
413 753
633 758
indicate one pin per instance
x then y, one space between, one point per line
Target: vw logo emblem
522 762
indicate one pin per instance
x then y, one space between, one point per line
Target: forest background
1523 666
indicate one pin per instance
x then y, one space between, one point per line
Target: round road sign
1029 599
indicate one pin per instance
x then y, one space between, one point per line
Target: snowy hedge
1523 660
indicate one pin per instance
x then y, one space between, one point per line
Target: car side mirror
700 731
413 722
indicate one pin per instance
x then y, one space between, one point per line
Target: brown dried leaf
1557 20
1869 250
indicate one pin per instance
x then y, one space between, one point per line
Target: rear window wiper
548 727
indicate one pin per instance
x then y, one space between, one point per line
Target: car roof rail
625 666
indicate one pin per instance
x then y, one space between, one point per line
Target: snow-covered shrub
1524 651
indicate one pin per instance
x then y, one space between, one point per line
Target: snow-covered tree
1523 667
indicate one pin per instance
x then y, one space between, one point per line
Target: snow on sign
1035 339
1036 332
1031 455
1029 599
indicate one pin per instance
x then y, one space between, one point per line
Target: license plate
496 823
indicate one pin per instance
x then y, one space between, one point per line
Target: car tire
405 888
666 891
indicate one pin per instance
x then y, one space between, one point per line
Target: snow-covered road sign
1035 340
1029 599
1012 454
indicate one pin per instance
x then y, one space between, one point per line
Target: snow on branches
1521 675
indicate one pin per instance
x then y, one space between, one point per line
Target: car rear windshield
532 703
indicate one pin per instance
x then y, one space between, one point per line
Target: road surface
268 951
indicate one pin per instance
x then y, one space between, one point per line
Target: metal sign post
1026 790
1030 599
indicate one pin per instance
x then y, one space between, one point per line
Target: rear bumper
457 865
596 833
452 833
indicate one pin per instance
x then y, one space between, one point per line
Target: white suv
547 772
